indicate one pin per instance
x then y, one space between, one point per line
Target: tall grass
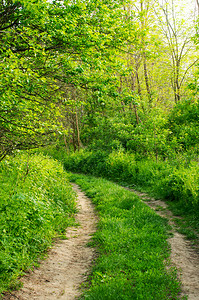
36 204
166 179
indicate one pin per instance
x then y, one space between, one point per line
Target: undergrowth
131 240
170 180
36 204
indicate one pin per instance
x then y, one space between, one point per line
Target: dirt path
183 256
62 273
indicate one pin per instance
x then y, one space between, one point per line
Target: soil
69 262
60 276
183 256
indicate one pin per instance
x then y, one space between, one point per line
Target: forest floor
69 262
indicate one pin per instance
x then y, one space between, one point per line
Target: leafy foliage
47 49
36 205
170 180
184 124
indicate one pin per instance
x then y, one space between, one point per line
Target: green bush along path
61 274
37 203
174 181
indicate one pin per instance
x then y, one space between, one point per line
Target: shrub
183 185
167 179
36 204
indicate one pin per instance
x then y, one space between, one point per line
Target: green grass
131 240
37 203
187 223
185 227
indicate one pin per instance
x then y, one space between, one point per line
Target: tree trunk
78 133
177 84
73 135
134 105
136 113
146 77
197 2
65 142
139 87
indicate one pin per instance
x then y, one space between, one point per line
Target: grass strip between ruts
133 251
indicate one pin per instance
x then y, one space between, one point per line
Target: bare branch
188 70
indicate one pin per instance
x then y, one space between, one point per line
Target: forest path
183 256
62 273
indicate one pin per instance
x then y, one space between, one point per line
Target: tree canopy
65 66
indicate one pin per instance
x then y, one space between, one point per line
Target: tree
25 107
178 33
48 48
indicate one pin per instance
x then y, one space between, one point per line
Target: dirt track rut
62 273
183 256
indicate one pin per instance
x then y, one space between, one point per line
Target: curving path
60 276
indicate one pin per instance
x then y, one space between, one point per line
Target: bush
183 185
169 180
93 162
183 122
36 204
121 166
